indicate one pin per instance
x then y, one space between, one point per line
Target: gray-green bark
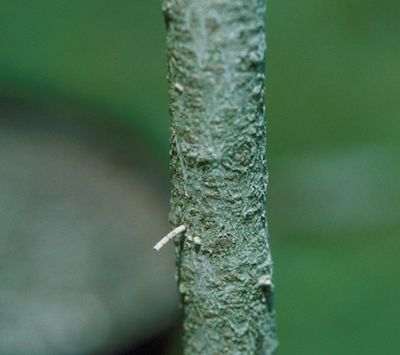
216 58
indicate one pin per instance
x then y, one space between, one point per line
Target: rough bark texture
216 57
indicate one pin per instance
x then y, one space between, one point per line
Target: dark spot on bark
269 296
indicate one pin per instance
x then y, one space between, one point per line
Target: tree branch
216 57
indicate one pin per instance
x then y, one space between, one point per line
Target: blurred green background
333 85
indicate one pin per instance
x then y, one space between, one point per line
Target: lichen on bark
216 62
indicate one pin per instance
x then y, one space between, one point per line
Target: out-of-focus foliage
333 140
105 54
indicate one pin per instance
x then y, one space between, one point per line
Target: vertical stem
216 61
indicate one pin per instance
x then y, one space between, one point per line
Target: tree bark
216 62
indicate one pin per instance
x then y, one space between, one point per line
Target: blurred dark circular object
81 204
